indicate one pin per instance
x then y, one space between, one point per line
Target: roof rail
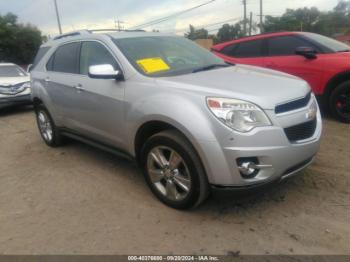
90 31
75 33
114 30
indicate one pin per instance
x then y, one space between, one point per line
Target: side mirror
104 72
307 52
29 68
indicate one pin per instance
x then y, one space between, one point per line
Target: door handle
79 88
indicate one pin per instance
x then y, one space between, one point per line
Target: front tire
173 171
340 102
47 128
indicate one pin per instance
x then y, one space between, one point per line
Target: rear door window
249 49
65 59
41 52
229 50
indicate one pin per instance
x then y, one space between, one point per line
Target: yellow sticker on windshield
153 65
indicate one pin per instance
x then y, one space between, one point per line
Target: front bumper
21 99
269 145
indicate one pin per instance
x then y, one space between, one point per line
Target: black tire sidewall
334 98
188 157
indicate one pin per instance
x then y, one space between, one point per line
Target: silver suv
191 121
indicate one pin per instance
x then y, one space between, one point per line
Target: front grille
302 131
293 105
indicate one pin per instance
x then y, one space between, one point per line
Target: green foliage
312 20
229 32
18 43
302 19
194 34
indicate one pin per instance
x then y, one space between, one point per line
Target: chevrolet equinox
190 120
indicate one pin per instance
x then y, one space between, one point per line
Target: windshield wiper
210 67
345 50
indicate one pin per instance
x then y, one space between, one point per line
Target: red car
323 62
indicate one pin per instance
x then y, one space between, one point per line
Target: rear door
281 56
248 52
62 74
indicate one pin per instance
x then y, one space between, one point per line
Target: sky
95 14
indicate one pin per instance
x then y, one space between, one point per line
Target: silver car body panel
113 111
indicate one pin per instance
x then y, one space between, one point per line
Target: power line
163 19
207 25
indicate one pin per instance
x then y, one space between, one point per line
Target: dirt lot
79 200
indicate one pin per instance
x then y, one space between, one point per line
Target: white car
14 86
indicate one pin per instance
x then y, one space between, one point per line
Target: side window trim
53 56
79 56
237 46
293 36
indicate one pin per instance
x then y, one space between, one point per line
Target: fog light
249 167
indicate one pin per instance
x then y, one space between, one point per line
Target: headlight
239 115
25 85
18 88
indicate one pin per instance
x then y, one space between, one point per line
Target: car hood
9 81
264 87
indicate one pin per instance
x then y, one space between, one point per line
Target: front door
99 108
281 56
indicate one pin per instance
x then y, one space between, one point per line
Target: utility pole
245 17
261 17
118 24
250 23
58 18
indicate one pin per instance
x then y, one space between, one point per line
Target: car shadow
219 202
9 111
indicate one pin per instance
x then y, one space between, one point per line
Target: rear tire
340 102
47 128
173 171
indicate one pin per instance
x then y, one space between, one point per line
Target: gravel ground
80 200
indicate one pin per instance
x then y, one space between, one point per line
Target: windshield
166 56
330 43
11 71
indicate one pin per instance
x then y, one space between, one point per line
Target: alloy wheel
45 126
169 173
343 104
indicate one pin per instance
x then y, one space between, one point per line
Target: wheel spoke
159 157
49 134
156 175
345 99
171 191
42 119
45 126
182 182
174 160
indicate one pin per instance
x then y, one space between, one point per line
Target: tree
194 34
312 20
343 7
302 19
18 43
229 32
